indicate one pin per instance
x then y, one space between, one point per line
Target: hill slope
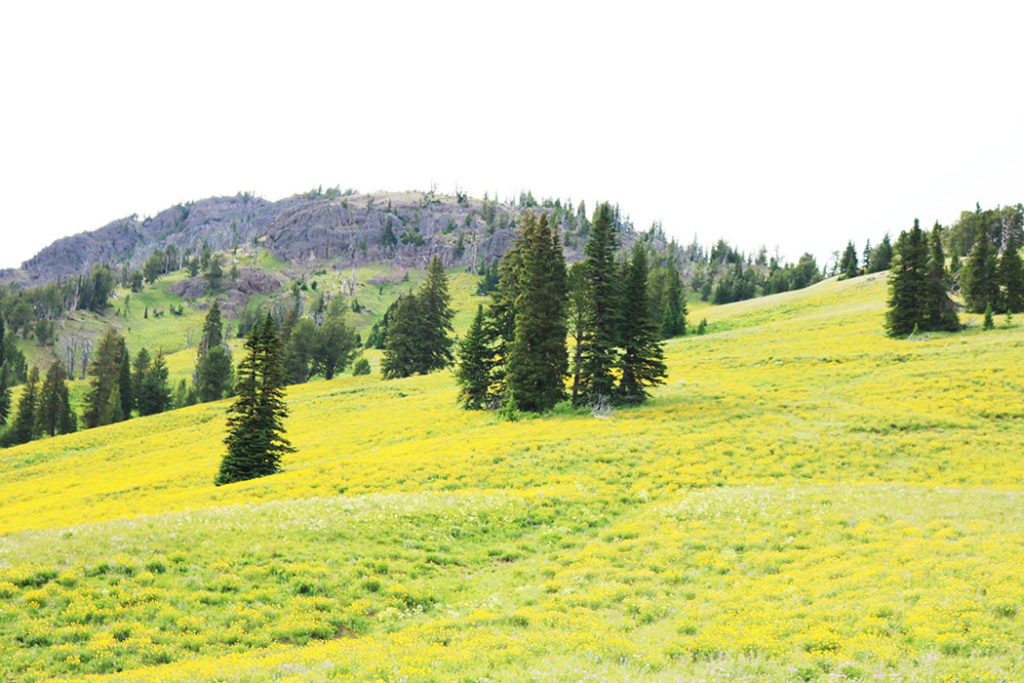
805 497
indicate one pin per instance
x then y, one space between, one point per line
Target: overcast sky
797 125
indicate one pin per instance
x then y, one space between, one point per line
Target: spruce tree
848 264
1011 273
673 320
908 284
881 256
23 427
979 276
255 439
642 360
599 355
435 307
404 349
474 370
501 315
940 311
537 362
124 383
54 415
139 367
154 392
578 315
103 404
5 394
213 373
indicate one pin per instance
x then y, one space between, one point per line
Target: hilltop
805 498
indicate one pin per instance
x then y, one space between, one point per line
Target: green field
805 498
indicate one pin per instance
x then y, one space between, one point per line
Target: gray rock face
302 229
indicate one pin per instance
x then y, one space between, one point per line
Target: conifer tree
54 414
673 321
599 352
578 315
403 352
435 305
5 393
334 347
979 276
988 323
908 284
642 359
848 264
103 403
23 427
139 367
124 383
501 315
537 362
154 393
1011 273
474 371
213 374
255 439
940 312
881 256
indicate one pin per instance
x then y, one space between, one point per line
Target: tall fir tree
418 333
578 314
214 372
908 284
538 362
599 357
23 427
979 276
404 348
501 315
5 394
881 256
940 310
1011 273
124 383
103 403
54 415
139 367
474 370
435 307
673 320
848 263
154 392
642 361
255 440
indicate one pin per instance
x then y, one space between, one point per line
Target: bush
361 367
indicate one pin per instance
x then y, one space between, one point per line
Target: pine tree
537 362
940 309
54 414
673 321
474 371
139 367
23 427
255 439
642 359
435 306
214 373
403 352
1011 273
908 284
979 276
154 393
105 382
881 256
848 264
599 352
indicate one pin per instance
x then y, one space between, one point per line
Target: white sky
800 125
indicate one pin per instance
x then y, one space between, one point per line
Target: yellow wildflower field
804 499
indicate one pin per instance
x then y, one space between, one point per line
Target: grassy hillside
804 498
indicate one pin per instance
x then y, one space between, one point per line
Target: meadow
804 499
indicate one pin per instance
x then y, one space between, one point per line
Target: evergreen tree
908 284
578 315
474 371
642 359
881 256
299 350
940 311
139 367
435 306
500 326
537 362
23 427
599 355
124 383
5 394
101 408
403 353
154 393
213 374
1011 273
989 323
673 320
979 276
255 439
848 264
54 414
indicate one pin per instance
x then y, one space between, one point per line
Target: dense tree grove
419 332
255 440
919 286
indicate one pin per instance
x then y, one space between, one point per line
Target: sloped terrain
804 498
